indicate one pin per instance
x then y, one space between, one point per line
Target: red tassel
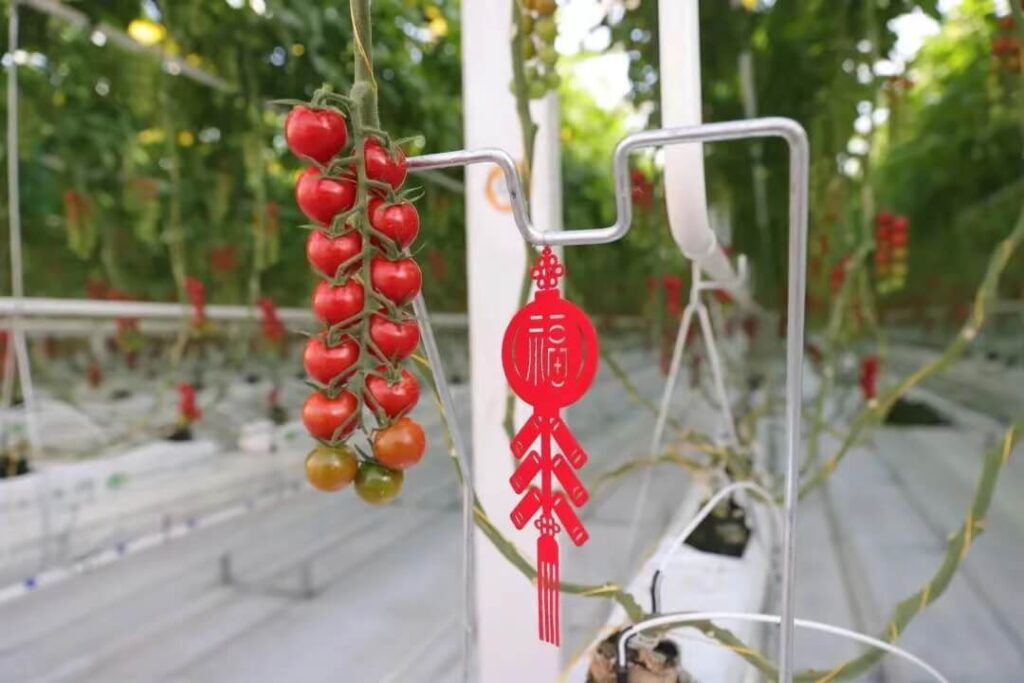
547 590
549 354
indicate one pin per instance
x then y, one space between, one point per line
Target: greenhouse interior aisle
164 614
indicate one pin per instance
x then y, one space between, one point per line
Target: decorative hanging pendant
550 358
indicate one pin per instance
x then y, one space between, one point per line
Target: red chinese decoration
550 358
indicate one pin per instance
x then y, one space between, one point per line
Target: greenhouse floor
324 588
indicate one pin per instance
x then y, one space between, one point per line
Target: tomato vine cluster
891 243
1006 48
538 31
363 228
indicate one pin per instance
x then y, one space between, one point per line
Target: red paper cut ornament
550 358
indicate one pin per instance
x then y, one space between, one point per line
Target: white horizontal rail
149 310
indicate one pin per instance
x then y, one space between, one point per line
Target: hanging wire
690 617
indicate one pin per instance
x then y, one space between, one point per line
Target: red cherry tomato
337 303
331 469
401 445
316 134
328 363
400 222
320 198
326 417
377 484
381 166
396 340
326 254
399 281
394 399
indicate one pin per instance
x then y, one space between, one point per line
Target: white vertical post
507 646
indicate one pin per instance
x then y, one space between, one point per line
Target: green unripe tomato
548 55
526 23
377 484
546 29
545 8
331 468
529 49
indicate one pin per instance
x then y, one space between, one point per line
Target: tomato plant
365 227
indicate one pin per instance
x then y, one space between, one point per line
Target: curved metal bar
682 618
711 132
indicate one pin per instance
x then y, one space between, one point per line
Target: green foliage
168 162
953 164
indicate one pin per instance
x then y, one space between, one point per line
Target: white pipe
94 308
685 193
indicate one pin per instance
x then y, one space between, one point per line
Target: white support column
508 649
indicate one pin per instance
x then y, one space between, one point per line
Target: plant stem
521 91
874 414
956 550
364 89
1018 23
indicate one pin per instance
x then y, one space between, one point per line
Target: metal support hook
796 138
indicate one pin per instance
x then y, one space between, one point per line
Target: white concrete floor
387 579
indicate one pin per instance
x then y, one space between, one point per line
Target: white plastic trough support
796 139
37 307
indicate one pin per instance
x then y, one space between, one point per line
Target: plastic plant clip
549 354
